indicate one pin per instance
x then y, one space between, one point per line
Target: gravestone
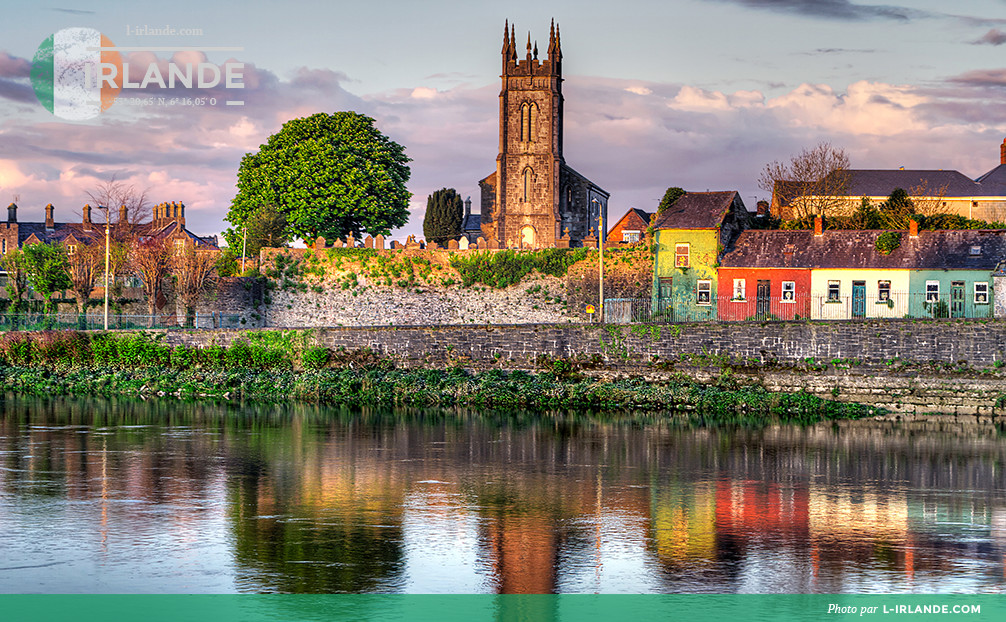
452 245
379 242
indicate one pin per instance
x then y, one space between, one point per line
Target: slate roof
880 183
697 210
995 177
853 249
472 222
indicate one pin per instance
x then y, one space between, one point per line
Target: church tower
529 202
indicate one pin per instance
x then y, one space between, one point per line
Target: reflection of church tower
533 197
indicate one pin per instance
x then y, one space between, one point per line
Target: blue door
859 299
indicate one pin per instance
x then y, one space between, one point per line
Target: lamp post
600 261
244 247
107 256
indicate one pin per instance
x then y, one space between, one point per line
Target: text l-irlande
178 75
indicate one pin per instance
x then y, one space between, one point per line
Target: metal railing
800 307
117 321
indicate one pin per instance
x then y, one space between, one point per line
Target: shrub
314 357
17 348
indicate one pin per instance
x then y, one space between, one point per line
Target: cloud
831 51
835 9
631 137
14 67
74 11
992 37
981 77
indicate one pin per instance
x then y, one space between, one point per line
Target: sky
700 94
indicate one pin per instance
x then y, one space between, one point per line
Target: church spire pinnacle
536 50
513 44
529 45
551 39
506 38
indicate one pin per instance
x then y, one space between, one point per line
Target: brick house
630 228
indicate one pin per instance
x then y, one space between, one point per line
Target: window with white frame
739 285
834 291
681 252
981 293
789 291
704 293
883 291
631 236
932 291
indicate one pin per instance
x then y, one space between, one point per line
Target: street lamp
107 255
600 261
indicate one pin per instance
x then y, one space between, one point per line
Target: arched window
528 119
528 178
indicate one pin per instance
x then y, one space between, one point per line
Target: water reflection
162 496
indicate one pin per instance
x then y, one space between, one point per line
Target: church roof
472 222
697 210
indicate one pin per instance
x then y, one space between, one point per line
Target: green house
952 272
691 236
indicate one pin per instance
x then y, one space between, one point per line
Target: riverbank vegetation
278 365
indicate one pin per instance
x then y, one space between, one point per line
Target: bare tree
195 271
84 264
151 258
125 208
929 201
814 182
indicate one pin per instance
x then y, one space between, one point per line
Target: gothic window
569 197
528 118
528 178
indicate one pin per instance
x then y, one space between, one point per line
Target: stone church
533 199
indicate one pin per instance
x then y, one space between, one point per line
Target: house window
739 285
883 291
789 291
5 247
981 293
681 256
71 249
932 291
834 291
704 293
631 236
976 250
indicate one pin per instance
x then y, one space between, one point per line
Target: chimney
468 205
12 212
180 214
87 217
913 228
763 209
818 225
123 213
49 223
1002 152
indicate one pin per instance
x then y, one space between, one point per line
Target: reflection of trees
316 499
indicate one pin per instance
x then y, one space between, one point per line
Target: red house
630 228
762 276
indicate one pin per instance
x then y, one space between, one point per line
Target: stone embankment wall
907 366
366 287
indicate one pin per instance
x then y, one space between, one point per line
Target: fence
116 321
799 307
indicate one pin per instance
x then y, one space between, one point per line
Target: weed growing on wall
504 268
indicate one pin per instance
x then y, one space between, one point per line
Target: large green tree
329 175
48 270
444 212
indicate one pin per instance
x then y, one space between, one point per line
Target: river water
122 496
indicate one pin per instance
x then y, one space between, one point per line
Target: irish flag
65 73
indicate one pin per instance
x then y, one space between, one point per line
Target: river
167 496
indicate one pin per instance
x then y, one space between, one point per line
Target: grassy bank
281 366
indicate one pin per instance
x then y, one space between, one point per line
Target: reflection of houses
684 523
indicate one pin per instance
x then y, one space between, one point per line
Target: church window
528 174
528 118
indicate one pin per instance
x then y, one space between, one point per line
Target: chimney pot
12 213
818 225
913 228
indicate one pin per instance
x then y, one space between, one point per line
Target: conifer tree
444 213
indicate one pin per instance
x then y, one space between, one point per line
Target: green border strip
508 608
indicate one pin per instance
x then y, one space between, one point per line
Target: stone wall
978 343
906 367
343 290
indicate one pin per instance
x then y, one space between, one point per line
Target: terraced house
690 236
